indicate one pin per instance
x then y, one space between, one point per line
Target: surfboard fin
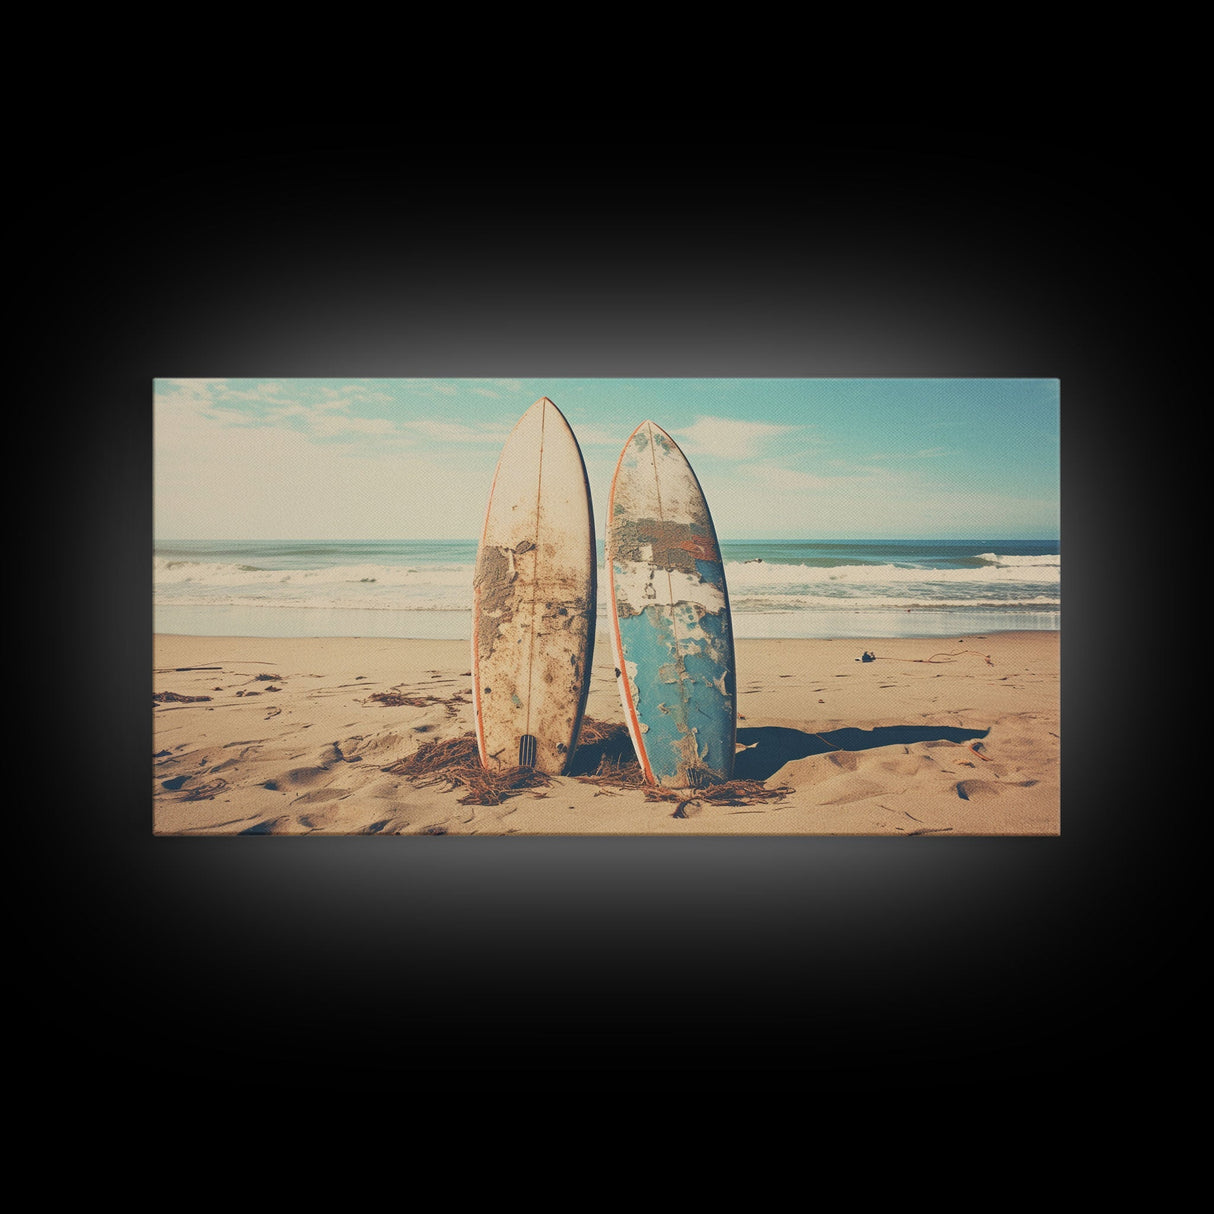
526 750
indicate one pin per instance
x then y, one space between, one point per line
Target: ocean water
777 588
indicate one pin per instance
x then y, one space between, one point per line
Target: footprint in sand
284 825
856 789
298 776
978 790
970 790
297 824
373 747
904 765
322 794
321 818
309 773
387 826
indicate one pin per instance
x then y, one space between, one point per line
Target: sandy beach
930 738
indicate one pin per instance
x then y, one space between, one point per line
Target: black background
672 249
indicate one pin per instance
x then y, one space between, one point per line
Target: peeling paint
672 626
535 597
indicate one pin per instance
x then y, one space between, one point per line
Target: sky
777 458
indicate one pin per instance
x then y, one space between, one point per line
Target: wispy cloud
458 432
271 391
497 387
329 426
778 477
193 387
325 412
729 438
417 455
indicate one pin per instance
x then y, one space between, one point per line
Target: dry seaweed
619 768
729 792
604 759
595 732
397 699
494 787
615 773
205 792
433 758
165 697
936 658
456 763
604 750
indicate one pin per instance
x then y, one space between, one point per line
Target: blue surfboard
670 623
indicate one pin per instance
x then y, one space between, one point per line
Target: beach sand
933 737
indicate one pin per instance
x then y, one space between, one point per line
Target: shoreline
313 623
954 735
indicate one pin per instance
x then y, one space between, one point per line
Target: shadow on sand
769 747
599 744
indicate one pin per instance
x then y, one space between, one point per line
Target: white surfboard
535 599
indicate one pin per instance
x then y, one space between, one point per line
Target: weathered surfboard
535 599
670 624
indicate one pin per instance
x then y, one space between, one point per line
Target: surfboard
535 599
671 629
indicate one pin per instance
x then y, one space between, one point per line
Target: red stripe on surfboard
476 615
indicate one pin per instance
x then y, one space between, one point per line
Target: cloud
193 385
458 432
490 388
327 426
266 392
728 438
771 476
275 482
184 404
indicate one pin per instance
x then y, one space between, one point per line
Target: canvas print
644 607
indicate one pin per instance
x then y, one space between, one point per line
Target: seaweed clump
456 763
618 768
604 758
397 699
